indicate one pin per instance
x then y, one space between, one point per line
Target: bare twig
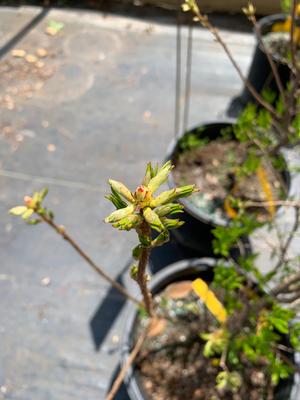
295 278
224 358
132 356
286 245
289 299
203 19
62 231
285 203
293 43
273 66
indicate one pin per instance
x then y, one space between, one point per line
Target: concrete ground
98 102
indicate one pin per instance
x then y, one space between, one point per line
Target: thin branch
132 356
62 231
273 66
295 278
287 203
289 299
203 19
224 358
292 36
285 247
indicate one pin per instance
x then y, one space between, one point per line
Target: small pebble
115 339
51 147
45 281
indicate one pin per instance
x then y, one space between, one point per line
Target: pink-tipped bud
28 201
142 194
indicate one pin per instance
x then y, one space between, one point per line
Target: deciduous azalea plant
252 315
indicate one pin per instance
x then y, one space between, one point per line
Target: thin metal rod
178 78
188 75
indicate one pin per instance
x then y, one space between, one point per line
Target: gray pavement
99 105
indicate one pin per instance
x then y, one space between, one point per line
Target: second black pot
196 233
260 74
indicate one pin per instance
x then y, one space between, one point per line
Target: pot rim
188 206
269 20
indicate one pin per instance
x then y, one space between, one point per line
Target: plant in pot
273 35
210 329
206 329
241 159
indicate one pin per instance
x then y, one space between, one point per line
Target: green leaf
19 210
295 336
27 214
153 219
136 252
55 25
162 238
43 193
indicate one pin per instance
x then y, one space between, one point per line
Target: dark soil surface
212 169
172 365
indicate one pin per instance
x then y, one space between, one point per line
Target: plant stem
61 230
286 203
132 356
292 35
269 57
141 273
207 24
285 247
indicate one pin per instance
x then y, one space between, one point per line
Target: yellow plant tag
229 210
262 176
285 26
210 300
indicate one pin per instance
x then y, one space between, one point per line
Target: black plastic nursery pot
196 233
180 271
260 74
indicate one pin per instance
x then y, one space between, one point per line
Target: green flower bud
150 173
173 194
163 198
30 202
153 219
132 221
119 214
170 223
169 209
161 177
121 189
185 191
